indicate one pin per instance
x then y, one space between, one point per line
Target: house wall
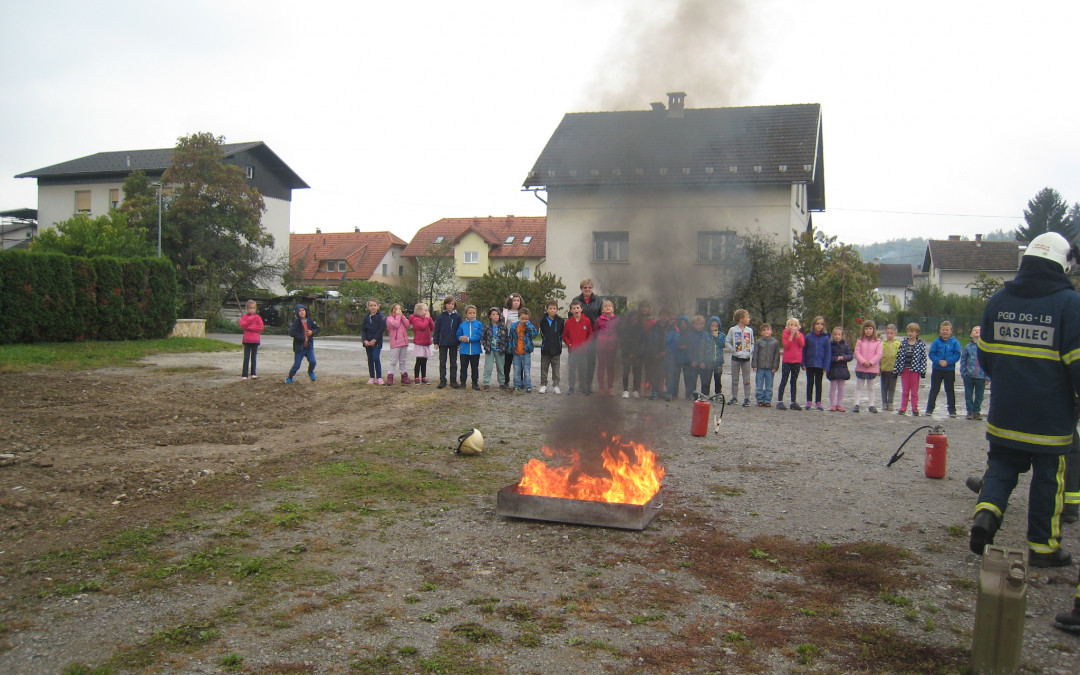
466 271
663 227
393 261
899 292
956 281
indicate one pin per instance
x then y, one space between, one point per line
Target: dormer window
509 240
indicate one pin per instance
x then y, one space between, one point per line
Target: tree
767 293
140 203
435 274
1045 212
90 237
985 285
833 280
213 229
492 289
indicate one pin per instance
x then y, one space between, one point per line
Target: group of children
656 353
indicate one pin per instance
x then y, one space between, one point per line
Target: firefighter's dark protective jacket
1030 348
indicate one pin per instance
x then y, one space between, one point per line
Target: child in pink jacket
252 324
868 353
791 362
398 327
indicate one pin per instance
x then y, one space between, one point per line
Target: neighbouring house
329 259
651 203
478 245
896 281
951 264
18 227
93 184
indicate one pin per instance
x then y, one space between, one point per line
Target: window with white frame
717 246
611 246
341 266
471 257
709 306
249 171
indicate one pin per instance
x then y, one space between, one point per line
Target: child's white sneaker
626 394
637 395
556 391
543 390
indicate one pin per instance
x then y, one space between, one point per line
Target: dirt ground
171 518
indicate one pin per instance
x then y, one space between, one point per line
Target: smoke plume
700 47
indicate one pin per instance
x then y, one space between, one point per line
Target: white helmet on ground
1052 246
471 443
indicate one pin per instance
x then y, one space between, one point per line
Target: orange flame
630 482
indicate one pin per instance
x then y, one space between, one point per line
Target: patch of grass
76 587
231 662
807 652
895 599
956 531
92 355
282 483
641 620
81 669
380 664
456 657
476 633
727 490
428 586
185 637
377 479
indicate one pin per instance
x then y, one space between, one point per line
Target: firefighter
1030 348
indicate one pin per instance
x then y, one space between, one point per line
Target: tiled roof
361 251
495 230
950 254
758 144
154 162
892 274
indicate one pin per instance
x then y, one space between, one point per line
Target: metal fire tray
577 511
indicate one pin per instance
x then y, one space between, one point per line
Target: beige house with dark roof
650 203
951 264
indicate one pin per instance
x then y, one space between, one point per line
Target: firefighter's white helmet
1052 246
471 443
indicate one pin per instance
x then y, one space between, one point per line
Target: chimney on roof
978 240
954 237
657 106
356 229
676 103
318 230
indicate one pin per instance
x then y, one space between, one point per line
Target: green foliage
985 286
58 298
385 293
492 289
767 292
213 227
435 274
140 205
833 281
85 236
1045 212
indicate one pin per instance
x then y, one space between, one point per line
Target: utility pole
158 186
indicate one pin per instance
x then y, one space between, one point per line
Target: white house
951 264
650 203
93 184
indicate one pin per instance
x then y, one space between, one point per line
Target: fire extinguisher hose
898 454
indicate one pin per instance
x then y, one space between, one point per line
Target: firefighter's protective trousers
1046 495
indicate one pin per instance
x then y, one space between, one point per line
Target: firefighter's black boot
1057 558
983 529
1069 621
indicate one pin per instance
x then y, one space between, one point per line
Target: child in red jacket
577 331
252 324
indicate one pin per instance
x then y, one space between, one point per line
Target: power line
923 213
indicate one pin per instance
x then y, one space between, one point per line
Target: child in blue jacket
974 376
470 334
944 353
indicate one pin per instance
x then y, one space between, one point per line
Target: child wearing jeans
911 367
975 378
445 338
740 340
371 332
551 344
577 333
470 335
765 362
303 331
521 338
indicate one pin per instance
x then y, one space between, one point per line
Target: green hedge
59 298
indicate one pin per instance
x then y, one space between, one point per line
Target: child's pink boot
389 379
405 378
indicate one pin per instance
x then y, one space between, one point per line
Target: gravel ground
170 518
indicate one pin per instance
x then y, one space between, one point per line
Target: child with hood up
711 356
303 331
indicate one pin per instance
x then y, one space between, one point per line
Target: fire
630 481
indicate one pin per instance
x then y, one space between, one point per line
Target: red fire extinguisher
937 447
699 420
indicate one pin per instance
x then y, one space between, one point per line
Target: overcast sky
939 117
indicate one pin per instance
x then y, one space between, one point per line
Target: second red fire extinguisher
699 420
937 447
